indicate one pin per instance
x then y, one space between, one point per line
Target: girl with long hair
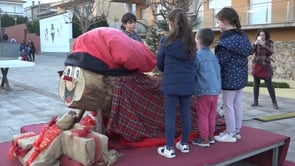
232 51
176 60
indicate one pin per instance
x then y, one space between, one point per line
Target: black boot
275 106
254 104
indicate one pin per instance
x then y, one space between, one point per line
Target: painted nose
67 78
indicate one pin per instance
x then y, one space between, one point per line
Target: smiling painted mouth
69 95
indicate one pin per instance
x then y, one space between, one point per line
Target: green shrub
275 84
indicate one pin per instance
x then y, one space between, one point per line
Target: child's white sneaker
168 153
238 136
184 148
225 137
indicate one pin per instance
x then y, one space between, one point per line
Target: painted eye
77 72
68 70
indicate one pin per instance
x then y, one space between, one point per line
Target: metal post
0 26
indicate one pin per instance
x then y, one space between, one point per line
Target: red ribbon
98 147
48 133
80 132
88 120
15 149
86 133
93 113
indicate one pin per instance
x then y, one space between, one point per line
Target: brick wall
20 33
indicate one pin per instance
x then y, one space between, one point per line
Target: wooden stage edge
257 146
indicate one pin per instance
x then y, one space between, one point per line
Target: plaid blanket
138 109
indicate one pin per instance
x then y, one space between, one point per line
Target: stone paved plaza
34 98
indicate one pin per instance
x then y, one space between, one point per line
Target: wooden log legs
80 115
99 121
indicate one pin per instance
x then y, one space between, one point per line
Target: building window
143 14
218 4
260 12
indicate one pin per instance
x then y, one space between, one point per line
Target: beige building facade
277 16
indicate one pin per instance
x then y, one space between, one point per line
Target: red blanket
138 109
116 49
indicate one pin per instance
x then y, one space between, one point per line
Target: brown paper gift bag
48 156
46 148
85 150
67 120
22 143
24 140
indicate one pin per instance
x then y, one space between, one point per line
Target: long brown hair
266 33
229 14
182 30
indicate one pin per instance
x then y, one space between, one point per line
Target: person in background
5 37
208 87
232 51
25 54
31 45
175 59
13 40
22 46
28 53
263 49
129 25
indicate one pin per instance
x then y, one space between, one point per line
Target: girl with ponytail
232 51
176 60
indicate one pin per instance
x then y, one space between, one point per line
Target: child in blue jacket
208 87
176 60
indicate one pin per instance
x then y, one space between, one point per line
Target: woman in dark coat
263 49
31 45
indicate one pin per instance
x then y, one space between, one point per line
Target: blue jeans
171 102
269 86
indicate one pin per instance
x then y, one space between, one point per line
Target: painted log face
82 89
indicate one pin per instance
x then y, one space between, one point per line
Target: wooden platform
258 146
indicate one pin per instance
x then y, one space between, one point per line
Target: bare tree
89 12
194 11
160 9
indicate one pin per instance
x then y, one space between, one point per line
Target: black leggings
33 56
270 88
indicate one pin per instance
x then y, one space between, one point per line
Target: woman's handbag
261 71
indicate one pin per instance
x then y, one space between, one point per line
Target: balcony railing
272 14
